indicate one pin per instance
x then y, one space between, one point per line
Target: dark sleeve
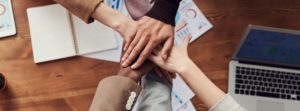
164 10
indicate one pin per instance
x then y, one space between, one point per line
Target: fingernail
124 57
133 66
124 64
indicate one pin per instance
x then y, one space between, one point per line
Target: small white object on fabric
133 94
130 100
128 106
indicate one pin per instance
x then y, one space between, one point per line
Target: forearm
204 89
108 16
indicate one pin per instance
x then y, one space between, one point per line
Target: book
57 34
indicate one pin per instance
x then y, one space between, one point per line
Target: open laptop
264 74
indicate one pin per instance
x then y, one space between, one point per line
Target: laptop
264 73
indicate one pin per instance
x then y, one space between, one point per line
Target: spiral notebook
56 34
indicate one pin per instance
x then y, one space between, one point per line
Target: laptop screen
271 47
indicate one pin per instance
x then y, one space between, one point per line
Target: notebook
56 34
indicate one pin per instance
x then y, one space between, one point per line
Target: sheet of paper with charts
5 23
189 21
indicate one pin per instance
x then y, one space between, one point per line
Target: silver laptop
264 73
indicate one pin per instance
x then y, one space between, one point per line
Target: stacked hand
150 34
141 37
178 60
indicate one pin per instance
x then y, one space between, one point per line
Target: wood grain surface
69 84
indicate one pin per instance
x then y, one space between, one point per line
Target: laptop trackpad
269 106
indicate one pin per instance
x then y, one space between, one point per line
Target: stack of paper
56 34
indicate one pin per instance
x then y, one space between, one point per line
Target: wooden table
70 84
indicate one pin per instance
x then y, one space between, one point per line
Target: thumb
155 59
186 41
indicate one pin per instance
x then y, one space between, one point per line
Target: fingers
127 42
126 45
186 41
155 59
143 56
167 48
135 52
132 45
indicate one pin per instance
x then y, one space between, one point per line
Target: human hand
127 29
150 34
136 74
178 59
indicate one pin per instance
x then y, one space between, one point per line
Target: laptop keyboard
267 83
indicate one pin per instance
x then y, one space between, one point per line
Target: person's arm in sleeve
81 8
113 94
227 103
164 10
119 93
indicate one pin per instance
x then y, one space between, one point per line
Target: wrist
185 66
121 23
127 72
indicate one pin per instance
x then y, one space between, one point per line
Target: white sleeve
227 104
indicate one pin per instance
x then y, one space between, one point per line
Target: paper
92 37
6 19
181 93
190 21
51 33
113 55
187 107
56 34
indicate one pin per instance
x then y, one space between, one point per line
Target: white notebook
56 34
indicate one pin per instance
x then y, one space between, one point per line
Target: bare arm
204 89
116 20
179 62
